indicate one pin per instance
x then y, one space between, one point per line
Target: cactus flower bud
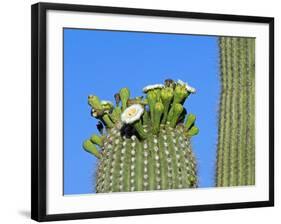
166 96
94 102
158 111
97 140
192 131
124 95
91 148
190 120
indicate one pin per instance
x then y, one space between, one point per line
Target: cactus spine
146 144
236 139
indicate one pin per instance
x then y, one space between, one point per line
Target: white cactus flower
187 86
151 87
132 114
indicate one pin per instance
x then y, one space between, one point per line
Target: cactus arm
250 154
222 114
241 153
226 154
233 147
252 111
235 153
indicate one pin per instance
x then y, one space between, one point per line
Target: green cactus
236 138
146 145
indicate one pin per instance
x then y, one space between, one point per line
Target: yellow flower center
132 112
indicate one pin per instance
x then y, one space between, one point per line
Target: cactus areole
144 142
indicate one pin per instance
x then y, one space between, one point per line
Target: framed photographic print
139 111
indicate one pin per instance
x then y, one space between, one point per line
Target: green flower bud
96 139
107 105
138 126
158 111
166 96
190 120
192 131
108 122
116 114
180 94
174 114
94 102
124 95
151 99
91 148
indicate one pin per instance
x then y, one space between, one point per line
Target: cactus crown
163 104
145 141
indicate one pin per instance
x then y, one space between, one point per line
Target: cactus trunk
236 138
163 161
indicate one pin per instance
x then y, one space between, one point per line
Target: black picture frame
39 115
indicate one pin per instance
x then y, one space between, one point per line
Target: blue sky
101 62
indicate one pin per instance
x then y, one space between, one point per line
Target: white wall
15 109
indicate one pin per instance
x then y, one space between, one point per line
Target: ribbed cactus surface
146 144
236 137
164 161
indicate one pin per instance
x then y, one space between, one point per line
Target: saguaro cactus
146 144
236 138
